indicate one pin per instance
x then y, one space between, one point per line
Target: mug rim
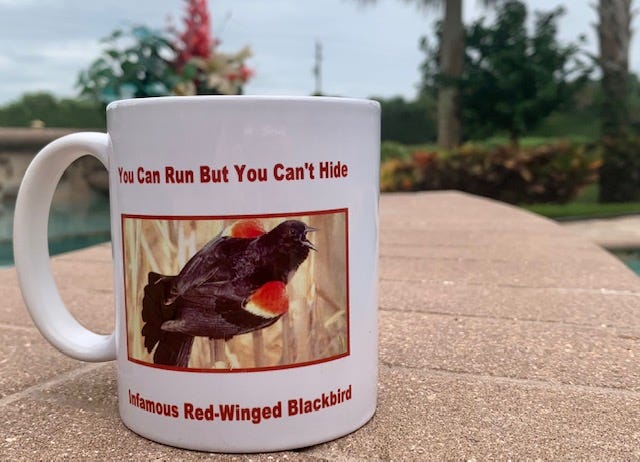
242 99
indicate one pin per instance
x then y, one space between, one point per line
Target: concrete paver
428 415
27 359
553 352
589 307
502 335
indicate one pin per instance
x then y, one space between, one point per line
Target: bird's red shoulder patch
248 228
269 300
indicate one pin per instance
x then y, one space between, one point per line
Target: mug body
244 234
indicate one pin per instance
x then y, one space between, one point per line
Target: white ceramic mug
244 234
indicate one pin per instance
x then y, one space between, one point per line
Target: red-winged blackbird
233 285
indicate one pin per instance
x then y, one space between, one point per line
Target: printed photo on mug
237 293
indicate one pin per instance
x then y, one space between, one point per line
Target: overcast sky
367 50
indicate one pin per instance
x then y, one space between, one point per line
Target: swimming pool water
630 257
71 227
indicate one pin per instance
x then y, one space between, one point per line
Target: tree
136 63
620 171
53 112
450 64
408 122
206 70
195 40
512 79
614 34
141 62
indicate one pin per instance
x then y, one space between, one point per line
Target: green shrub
393 150
549 173
408 174
53 111
410 122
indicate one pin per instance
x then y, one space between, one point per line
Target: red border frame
124 216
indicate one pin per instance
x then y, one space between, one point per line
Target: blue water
630 257
71 227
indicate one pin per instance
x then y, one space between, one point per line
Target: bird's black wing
216 311
213 264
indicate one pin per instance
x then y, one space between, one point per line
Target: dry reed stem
219 352
149 255
212 352
258 348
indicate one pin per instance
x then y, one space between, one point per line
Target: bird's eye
292 232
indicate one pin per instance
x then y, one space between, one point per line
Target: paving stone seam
506 380
428 246
332 454
88 289
437 282
387 243
569 290
458 259
555 233
69 262
74 258
597 327
57 380
18 328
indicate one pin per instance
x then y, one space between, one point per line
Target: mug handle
31 252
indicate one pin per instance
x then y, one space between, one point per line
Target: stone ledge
30 139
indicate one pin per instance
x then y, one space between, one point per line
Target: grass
586 205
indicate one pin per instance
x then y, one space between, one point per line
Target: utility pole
317 68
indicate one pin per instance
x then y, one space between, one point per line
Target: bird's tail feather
173 348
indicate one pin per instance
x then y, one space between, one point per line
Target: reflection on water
71 227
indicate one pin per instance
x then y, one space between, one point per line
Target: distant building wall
18 146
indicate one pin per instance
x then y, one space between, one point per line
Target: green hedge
552 172
53 111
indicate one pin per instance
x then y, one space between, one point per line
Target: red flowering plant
205 70
140 61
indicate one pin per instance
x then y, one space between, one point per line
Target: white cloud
51 67
23 3
69 51
4 61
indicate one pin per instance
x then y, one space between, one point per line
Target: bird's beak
306 241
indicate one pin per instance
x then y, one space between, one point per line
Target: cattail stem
218 354
258 348
288 340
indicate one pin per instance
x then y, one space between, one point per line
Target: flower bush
141 62
549 173
207 71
